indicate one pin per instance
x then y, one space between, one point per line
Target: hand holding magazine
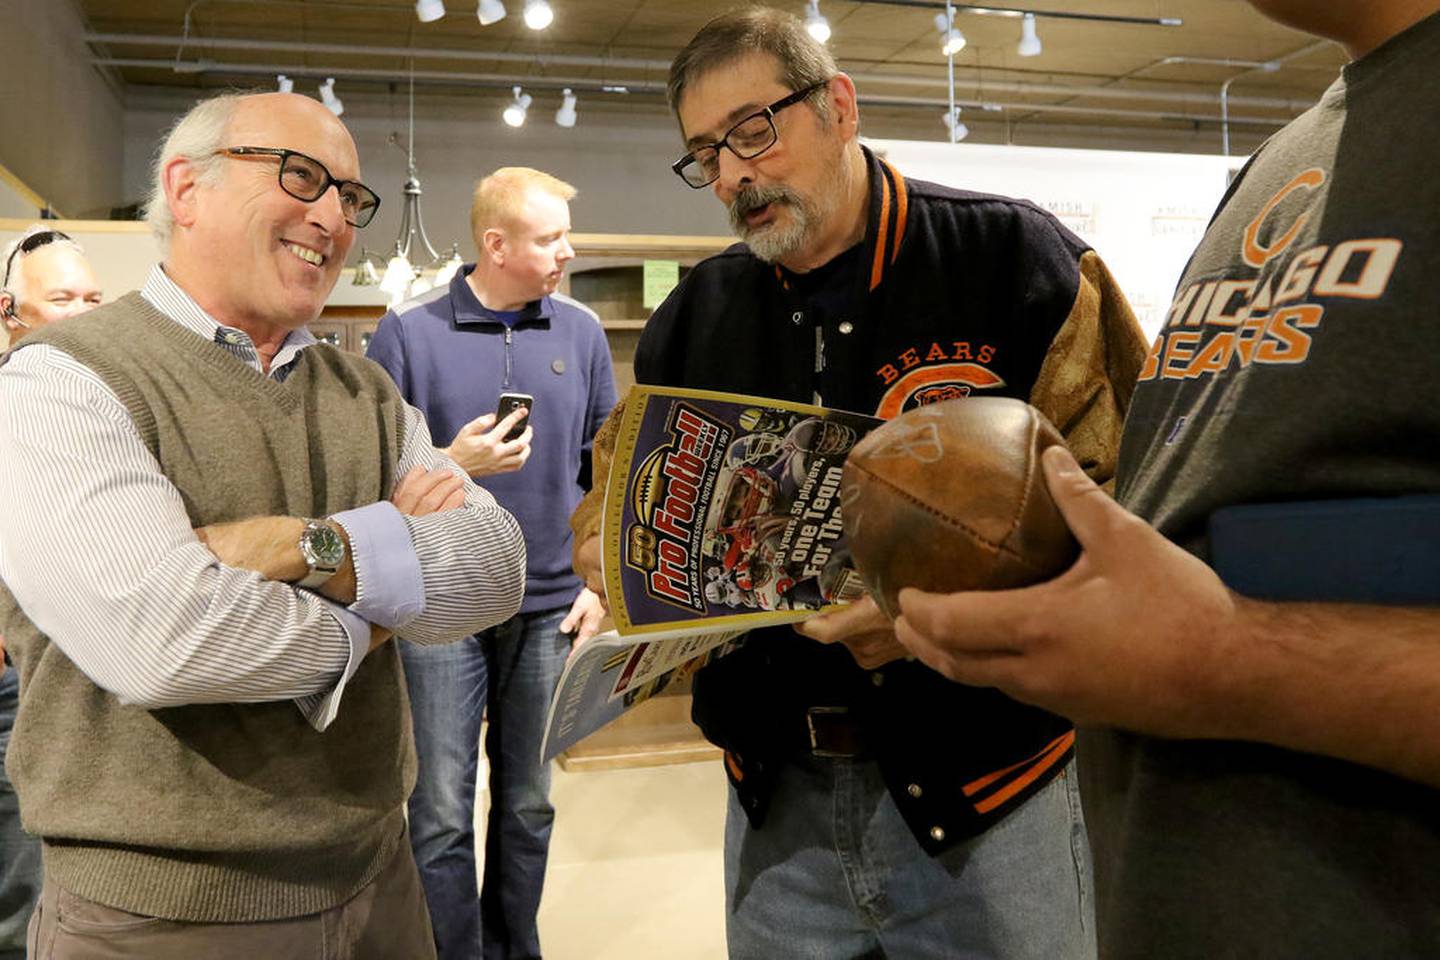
722 513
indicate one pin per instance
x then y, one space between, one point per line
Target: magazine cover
722 513
726 509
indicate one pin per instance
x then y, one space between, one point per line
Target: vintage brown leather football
950 496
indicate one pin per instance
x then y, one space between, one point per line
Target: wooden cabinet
348 328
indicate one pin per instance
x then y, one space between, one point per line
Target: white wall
62 121
1143 213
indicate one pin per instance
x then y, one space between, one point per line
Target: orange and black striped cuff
994 789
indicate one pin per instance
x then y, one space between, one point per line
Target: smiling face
252 255
53 282
790 201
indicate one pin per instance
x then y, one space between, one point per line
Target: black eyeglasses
747 139
306 178
33 242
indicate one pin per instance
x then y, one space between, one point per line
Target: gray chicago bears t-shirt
1299 361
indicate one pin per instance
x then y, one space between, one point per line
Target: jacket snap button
797 317
846 326
937 834
915 791
877 678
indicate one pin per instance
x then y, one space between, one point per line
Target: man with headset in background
46 278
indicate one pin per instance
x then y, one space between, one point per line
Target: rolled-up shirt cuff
320 709
389 587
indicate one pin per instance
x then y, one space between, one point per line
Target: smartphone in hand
508 403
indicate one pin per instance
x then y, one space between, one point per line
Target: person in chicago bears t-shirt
1260 777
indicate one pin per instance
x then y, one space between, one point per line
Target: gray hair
15 283
196 136
802 60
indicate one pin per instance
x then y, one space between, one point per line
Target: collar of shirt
831 287
165 295
469 309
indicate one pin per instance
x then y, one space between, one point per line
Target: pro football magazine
722 514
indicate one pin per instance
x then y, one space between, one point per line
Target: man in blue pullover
500 327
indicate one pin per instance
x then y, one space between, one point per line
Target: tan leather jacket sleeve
1089 374
585 521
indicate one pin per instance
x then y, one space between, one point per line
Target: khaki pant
386 920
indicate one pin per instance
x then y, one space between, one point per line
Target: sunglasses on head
29 244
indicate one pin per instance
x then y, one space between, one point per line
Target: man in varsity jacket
879 808
218 524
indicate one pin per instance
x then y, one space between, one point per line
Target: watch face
326 547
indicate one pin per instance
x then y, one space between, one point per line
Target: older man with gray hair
220 525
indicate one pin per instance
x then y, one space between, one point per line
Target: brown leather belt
834 732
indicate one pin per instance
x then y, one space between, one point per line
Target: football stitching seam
975 534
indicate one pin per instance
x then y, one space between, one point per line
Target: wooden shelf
654 733
623 324
671 247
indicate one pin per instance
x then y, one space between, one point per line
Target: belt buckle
815 735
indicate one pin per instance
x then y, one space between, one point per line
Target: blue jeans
835 874
19 852
516 665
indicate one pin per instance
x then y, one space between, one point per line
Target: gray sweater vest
232 811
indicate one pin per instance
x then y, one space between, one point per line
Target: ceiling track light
490 11
428 11
1017 12
514 114
565 116
538 14
815 23
951 119
952 41
327 96
1029 45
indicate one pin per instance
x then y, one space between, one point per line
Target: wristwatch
323 548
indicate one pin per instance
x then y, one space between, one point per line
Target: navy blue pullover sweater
452 358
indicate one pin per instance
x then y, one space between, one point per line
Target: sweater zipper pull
508 334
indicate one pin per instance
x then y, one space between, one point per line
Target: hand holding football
951 497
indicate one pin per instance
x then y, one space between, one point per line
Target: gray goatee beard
773 241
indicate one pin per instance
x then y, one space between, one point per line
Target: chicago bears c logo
928 385
946 391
